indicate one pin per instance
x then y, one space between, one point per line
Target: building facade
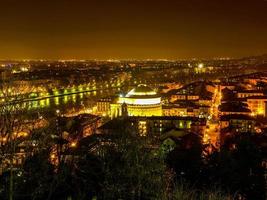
140 101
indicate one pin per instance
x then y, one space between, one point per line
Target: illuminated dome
142 101
141 90
141 95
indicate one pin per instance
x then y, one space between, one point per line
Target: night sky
132 29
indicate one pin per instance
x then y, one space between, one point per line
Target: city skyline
133 99
132 30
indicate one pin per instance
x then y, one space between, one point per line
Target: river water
69 102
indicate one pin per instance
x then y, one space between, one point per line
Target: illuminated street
211 135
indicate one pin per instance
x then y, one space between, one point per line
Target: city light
73 144
200 65
133 100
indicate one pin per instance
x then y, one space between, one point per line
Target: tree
186 159
132 170
12 122
238 167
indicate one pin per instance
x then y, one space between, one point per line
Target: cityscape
101 113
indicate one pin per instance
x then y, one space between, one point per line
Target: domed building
140 101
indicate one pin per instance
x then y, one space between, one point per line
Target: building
232 108
191 97
155 125
81 125
230 86
166 87
103 105
231 125
239 122
200 92
140 101
257 105
181 108
249 93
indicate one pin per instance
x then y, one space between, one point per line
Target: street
211 135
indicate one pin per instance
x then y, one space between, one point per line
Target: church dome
141 91
141 95
142 101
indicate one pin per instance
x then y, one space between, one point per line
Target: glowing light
74 98
56 92
35 104
66 98
206 138
47 102
133 101
42 103
57 100
33 95
23 134
24 69
260 111
200 65
133 92
181 124
142 128
80 88
52 156
3 139
73 144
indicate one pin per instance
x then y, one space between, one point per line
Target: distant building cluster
224 107
163 100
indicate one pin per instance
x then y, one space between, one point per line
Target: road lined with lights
211 135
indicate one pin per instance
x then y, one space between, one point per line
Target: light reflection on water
72 101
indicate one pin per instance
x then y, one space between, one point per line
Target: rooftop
235 116
141 90
257 97
250 91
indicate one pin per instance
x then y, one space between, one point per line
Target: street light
200 65
73 144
